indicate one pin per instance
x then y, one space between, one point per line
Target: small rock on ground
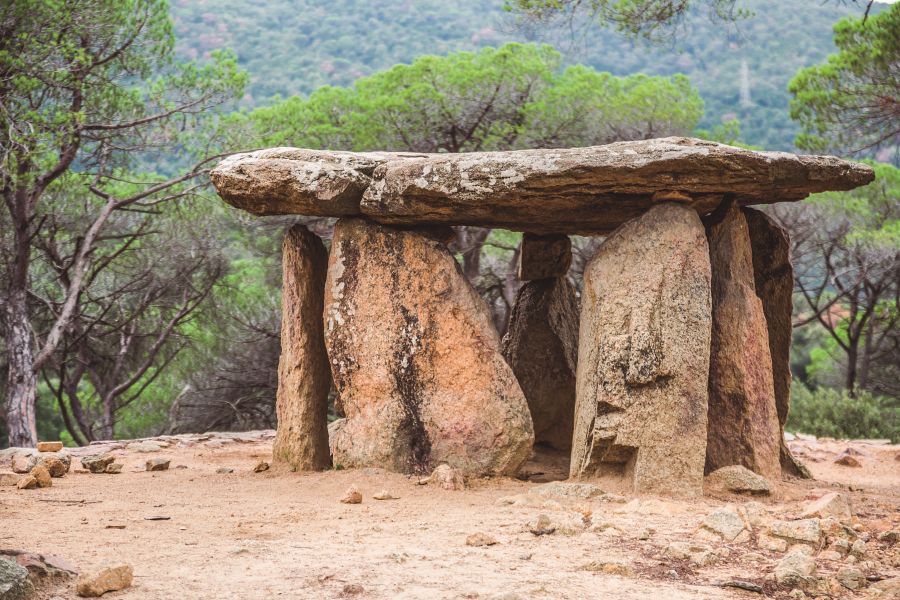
224 470
14 581
609 567
480 539
796 569
157 464
740 480
93 585
352 496
97 463
830 505
28 482
846 460
563 489
42 476
725 524
384 495
446 477
261 466
9 478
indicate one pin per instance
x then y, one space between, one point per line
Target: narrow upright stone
643 355
544 256
541 346
304 377
743 421
774 279
416 359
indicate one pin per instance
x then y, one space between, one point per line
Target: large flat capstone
578 190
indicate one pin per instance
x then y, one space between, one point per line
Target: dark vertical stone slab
541 346
304 377
774 279
743 421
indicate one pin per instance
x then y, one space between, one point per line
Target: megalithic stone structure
541 343
643 355
773 276
743 421
411 347
416 359
304 377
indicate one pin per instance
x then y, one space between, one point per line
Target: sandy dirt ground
278 534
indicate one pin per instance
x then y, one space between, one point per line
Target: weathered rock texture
541 346
578 190
773 277
304 376
743 421
416 359
544 256
643 355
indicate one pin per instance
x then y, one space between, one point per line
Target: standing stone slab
544 256
774 280
743 421
541 346
643 355
304 377
416 359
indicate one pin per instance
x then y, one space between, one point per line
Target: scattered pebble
94 585
114 468
846 460
261 466
42 476
157 464
224 470
28 482
480 539
385 495
352 496
97 463
740 480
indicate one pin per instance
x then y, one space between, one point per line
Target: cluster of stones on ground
676 364
822 549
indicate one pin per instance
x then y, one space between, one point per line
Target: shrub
834 413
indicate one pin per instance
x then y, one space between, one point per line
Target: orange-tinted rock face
304 377
643 355
416 359
743 421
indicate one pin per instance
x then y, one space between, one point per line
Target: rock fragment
804 531
261 466
831 504
94 585
42 476
49 446
724 524
384 495
7 479
796 569
352 496
157 464
97 463
480 540
740 480
846 459
14 581
28 482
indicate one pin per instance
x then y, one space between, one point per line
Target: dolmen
673 362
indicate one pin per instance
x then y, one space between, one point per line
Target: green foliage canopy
852 102
516 96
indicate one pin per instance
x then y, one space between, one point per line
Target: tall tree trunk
852 360
22 380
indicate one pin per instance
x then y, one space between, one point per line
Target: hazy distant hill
293 46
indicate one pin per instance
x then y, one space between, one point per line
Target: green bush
834 413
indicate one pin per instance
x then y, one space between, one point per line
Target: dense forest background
136 302
741 70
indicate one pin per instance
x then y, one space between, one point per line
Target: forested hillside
293 47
